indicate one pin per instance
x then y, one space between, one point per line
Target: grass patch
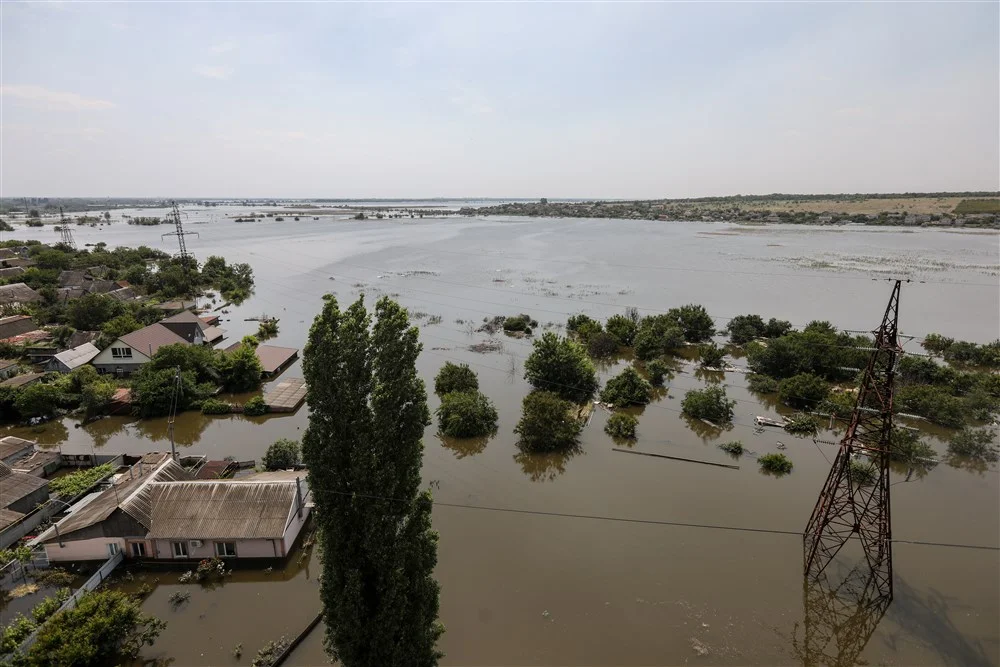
978 206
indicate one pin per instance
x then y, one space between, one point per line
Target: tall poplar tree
368 410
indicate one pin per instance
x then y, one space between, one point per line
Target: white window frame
222 552
137 546
179 549
121 353
113 549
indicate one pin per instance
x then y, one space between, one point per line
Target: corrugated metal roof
17 485
226 509
11 445
18 293
273 357
8 517
123 495
78 356
150 339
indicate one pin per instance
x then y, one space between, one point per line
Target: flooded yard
597 557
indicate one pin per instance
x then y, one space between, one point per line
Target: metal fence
96 580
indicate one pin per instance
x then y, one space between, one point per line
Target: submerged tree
364 451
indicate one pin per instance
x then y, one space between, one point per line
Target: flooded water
529 589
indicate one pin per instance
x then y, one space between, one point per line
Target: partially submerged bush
907 447
803 391
627 388
621 425
255 407
710 403
657 370
735 448
213 406
711 355
975 444
776 463
560 365
602 345
519 323
657 336
761 384
863 472
622 328
801 424
547 423
455 377
466 414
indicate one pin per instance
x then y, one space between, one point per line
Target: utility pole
846 508
173 411
65 232
179 232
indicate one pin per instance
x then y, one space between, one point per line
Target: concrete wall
31 501
244 549
293 530
92 549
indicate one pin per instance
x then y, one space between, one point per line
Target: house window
121 353
225 549
138 549
180 550
113 549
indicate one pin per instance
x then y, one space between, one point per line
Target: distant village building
17 294
15 325
22 380
130 352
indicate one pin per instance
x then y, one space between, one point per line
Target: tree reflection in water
545 467
462 447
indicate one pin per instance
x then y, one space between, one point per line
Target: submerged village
100 333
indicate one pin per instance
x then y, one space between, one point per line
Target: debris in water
547 615
698 647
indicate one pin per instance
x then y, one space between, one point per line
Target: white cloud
224 47
120 26
214 71
53 99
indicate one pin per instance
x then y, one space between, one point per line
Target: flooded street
619 583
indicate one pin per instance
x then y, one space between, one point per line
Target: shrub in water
710 403
621 425
775 463
466 414
735 448
455 377
627 388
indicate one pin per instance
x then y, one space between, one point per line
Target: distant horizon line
880 195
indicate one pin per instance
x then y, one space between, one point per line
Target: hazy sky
499 100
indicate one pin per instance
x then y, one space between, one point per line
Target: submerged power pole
845 507
179 232
65 233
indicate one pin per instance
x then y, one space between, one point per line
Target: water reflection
462 447
705 430
545 467
49 433
840 617
709 376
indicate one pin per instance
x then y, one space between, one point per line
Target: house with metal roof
67 360
12 448
129 352
18 293
19 494
163 514
16 325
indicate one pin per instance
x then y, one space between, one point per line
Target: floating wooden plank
675 458
287 396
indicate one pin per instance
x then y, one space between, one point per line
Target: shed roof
78 356
16 324
7 517
18 293
22 380
227 509
273 357
150 339
17 485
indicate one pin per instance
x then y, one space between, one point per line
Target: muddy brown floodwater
530 589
